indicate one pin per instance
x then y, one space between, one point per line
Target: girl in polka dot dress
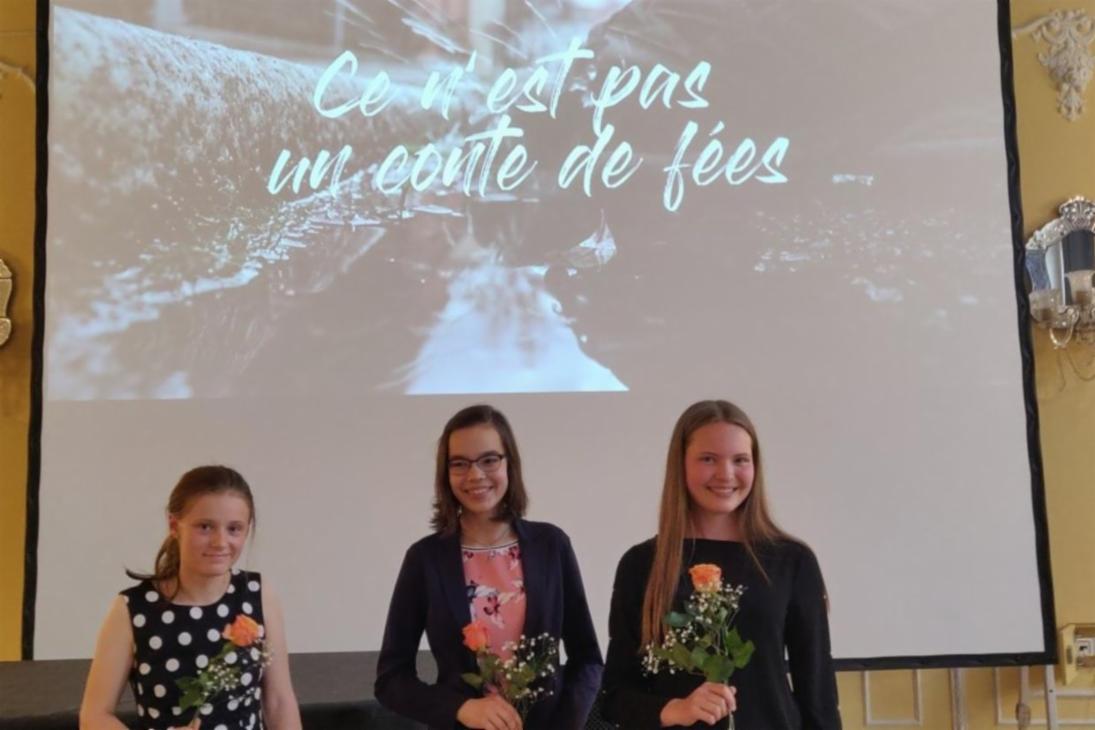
171 625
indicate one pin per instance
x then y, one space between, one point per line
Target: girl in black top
714 510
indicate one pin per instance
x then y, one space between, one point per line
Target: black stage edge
335 691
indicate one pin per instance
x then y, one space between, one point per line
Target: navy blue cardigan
430 596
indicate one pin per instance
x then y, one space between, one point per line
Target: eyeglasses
487 463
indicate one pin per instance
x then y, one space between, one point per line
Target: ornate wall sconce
1060 262
1067 33
5 296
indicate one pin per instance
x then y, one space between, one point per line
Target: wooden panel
17 250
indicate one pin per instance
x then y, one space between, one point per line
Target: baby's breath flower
708 612
531 661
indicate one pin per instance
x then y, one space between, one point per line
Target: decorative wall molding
1068 35
24 75
1047 695
5 296
959 719
917 719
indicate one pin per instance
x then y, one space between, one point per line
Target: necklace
494 540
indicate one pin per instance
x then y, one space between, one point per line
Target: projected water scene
459 197
296 236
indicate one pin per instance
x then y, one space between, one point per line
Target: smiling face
211 533
718 469
479 492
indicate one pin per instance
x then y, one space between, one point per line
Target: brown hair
195 483
446 510
756 523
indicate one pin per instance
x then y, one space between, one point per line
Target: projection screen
296 237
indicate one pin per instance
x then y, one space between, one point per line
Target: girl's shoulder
786 548
430 549
142 591
244 587
144 603
633 569
430 541
787 555
640 555
250 579
534 530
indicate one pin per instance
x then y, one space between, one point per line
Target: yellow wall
1057 161
17 50
1056 155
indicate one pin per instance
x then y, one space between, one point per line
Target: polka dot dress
174 641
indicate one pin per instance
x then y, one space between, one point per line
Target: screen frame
1048 655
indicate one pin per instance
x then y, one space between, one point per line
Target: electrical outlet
1076 650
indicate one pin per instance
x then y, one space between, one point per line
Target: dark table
335 692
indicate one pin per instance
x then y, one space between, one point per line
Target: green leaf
680 656
677 620
488 664
742 654
227 648
473 679
718 668
699 658
191 698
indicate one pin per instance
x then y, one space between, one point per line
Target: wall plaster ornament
21 74
1068 33
5 295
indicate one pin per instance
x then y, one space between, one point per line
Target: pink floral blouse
495 587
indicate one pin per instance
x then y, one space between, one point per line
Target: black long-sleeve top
789 613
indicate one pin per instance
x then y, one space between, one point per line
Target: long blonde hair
756 523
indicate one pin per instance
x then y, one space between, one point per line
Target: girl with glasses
485 563
714 510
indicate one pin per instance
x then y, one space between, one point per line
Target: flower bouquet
702 640
224 672
521 677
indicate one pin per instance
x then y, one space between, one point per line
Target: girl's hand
489 713
709 703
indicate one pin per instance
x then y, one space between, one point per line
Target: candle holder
1060 263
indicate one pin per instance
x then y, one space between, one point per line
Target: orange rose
244 631
475 637
706 578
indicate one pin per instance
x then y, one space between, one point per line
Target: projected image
297 236
285 198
